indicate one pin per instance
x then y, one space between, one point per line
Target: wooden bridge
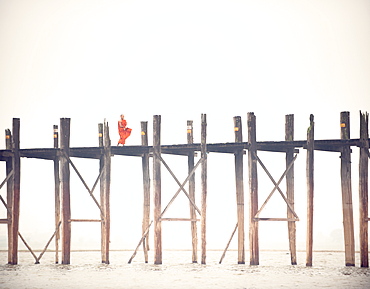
62 155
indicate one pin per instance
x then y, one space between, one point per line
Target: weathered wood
253 190
27 246
364 189
103 244
157 189
56 193
106 196
8 221
181 186
9 192
228 243
277 219
16 192
85 220
289 136
47 244
239 182
145 233
180 219
146 188
194 236
204 188
349 238
310 190
90 191
65 190
276 186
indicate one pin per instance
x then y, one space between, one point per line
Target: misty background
94 60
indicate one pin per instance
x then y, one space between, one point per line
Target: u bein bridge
62 154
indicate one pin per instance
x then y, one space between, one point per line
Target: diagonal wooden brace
180 185
6 179
19 234
86 186
276 186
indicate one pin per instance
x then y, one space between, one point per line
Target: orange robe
124 131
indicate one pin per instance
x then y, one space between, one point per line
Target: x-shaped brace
276 186
181 186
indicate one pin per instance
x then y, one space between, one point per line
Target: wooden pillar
289 136
16 192
9 195
310 189
194 236
146 188
349 239
253 190
56 193
102 191
157 189
105 166
204 188
364 189
105 204
239 182
65 190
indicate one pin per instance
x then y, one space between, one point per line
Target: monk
123 130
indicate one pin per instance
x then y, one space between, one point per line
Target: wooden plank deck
182 149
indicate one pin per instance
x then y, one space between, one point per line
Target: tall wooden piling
349 239
56 193
310 189
16 192
146 188
102 190
289 136
193 224
157 189
9 194
105 167
105 178
364 189
65 190
253 190
204 188
239 181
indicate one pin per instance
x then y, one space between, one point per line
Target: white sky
91 60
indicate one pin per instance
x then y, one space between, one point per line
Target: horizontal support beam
84 220
179 219
4 221
277 219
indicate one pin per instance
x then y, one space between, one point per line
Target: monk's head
122 116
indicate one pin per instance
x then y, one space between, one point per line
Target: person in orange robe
123 130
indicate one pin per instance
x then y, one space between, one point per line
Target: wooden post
204 187
253 190
16 192
65 190
239 188
102 193
157 189
310 189
289 136
57 193
106 177
146 188
364 189
349 239
194 237
9 187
